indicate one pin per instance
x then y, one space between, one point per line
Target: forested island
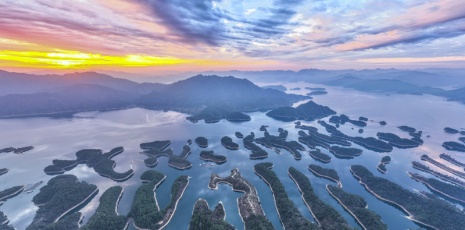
454 146
101 163
314 139
239 134
214 114
145 211
317 92
382 164
16 150
450 130
326 173
211 156
325 215
445 189
401 143
4 222
156 149
257 152
357 207
289 215
424 168
443 166
106 216
202 142
424 208
345 153
342 119
249 206
228 143
203 218
451 160
319 156
273 142
309 111
11 192
3 171
58 198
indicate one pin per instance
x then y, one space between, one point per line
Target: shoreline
77 205
434 189
346 208
12 194
339 184
302 195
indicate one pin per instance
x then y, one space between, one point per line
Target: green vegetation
4 222
202 142
386 159
158 149
326 173
101 163
450 130
443 166
309 111
401 143
237 117
7 150
250 209
382 165
317 92
11 192
204 218
454 146
263 128
345 153
424 168
314 138
289 215
214 114
407 129
238 134
228 143
68 222
423 208
145 211
326 216
257 152
319 156
445 189
462 139
357 207
382 123
62 195
210 156
3 171
273 142
342 119
106 217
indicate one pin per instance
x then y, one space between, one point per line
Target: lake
61 138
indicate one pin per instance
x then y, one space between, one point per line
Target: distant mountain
21 83
309 111
196 93
276 87
68 99
209 98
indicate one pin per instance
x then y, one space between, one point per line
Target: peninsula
204 218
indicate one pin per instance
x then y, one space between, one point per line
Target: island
383 123
317 92
329 174
93 158
450 130
210 156
145 211
263 128
202 142
424 168
156 149
238 134
319 156
454 146
445 189
326 216
189 141
422 208
276 142
315 88
228 143
357 207
314 139
382 165
3 171
289 215
345 153
214 114
451 160
360 130
296 88
443 166
61 196
106 216
23 149
342 119
204 218
257 152
309 111
462 139
237 117
4 222
249 206
11 192
7 150
401 143
363 119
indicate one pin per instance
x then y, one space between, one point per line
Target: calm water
61 138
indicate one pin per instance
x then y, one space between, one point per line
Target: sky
147 36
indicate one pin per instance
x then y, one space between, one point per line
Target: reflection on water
61 138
